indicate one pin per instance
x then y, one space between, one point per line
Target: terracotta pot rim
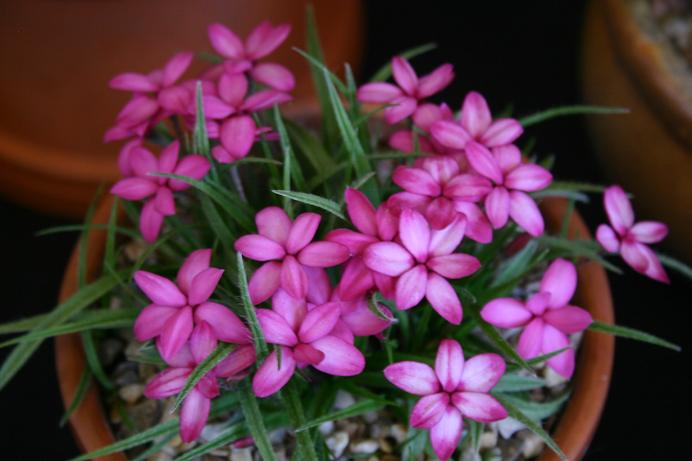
575 428
641 57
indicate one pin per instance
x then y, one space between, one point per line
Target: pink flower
510 179
305 337
433 186
546 317
476 124
374 225
157 190
454 389
423 262
629 238
287 249
242 57
182 311
156 96
405 98
195 409
232 108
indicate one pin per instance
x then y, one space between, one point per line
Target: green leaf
631 333
93 361
81 227
512 382
204 367
82 387
545 357
676 265
77 302
323 68
535 427
577 186
155 447
314 200
357 409
536 411
386 71
575 248
309 146
288 157
255 423
294 409
475 430
83 248
515 265
109 256
249 309
217 223
18 326
200 136
413 447
569 110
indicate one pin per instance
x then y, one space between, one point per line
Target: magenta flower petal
215 108
340 357
479 407
202 341
238 134
607 238
450 134
413 377
506 313
168 159
446 434
293 278
240 359
388 258
449 363
167 383
481 373
270 378
429 410
275 328
305 354
477 225
414 232
130 81
175 333
323 254
386 285
259 248
553 340
143 162
224 323
435 81
193 415
138 110
410 287
528 178
176 67
273 223
387 222
399 109
497 207
354 241
378 92
233 89
274 75
151 320
643 260
362 322
124 156
293 310
454 266
501 132
175 99
159 289
319 285
225 42
560 280
264 100
531 340
265 38
150 222
445 241
264 282
203 285
618 208
134 188
469 187
475 114
182 359
164 201
302 231
319 322
649 231
508 157
440 212
654 268
525 212
355 281
195 263
424 117
483 161
443 299
568 319
404 75
361 211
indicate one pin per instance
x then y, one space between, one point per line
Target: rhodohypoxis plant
281 264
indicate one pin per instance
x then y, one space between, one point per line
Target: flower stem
255 423
305 446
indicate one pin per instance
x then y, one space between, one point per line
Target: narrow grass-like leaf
250 316
82 387
18 326
357 409
512 382
255 423
93 360
109 256
81 227
515 265
288 159
226 437
631 333
386 71
545 357
535 427
336 81
294 409
412 448
475 430
584 248
569 110
309 146
314 200
676 265
155 447
217 223
204 367
200 136
82 246
537 411
577 186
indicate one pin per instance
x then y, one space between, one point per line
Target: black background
523 53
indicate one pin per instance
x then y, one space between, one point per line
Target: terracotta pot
573 433
649 151
59 56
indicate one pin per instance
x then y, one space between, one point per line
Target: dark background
523 53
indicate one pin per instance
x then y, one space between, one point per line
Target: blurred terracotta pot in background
628 62
58 56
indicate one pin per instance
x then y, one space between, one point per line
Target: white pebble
553 379
364 446
326 428
241 454
399 432
508 426
131 392
343 400
337 443
488 439
533 446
